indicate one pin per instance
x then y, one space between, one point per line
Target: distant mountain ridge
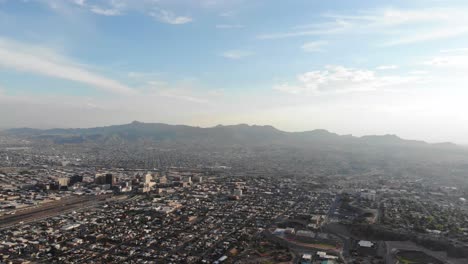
220 134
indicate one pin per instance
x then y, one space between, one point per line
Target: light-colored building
369 195
63 182
163 180
148 178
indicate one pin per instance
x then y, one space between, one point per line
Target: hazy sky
352 67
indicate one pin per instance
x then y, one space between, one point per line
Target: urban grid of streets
58 213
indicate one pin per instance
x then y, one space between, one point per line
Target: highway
50 210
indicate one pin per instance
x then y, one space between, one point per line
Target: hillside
242 134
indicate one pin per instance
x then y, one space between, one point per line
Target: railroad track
48 210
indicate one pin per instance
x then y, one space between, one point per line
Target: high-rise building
100 178
110 179
198 178
187 179
75 179
148 178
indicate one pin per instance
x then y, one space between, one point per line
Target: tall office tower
110 179
100 178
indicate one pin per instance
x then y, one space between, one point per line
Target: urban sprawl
57 207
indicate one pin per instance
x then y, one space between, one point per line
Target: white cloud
39 60
418 72
168 17
144 75
182 95
449 61
394 17
53 110
339 79
227 14
429 35
449 64
387 67
153 84
397 26
458 50
236 54
151 8
156 83
228 26
314 46
105 12
315 31
99 7
79 2
455 60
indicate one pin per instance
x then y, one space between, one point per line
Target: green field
416 257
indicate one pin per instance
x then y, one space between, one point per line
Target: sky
351 67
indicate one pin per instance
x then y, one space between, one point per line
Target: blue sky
353 67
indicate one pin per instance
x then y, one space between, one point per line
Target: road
50 210
333 208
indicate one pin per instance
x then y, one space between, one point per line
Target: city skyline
371 67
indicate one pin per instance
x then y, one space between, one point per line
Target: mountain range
317 152
242 134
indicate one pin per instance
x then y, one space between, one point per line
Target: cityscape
233 132
62 204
